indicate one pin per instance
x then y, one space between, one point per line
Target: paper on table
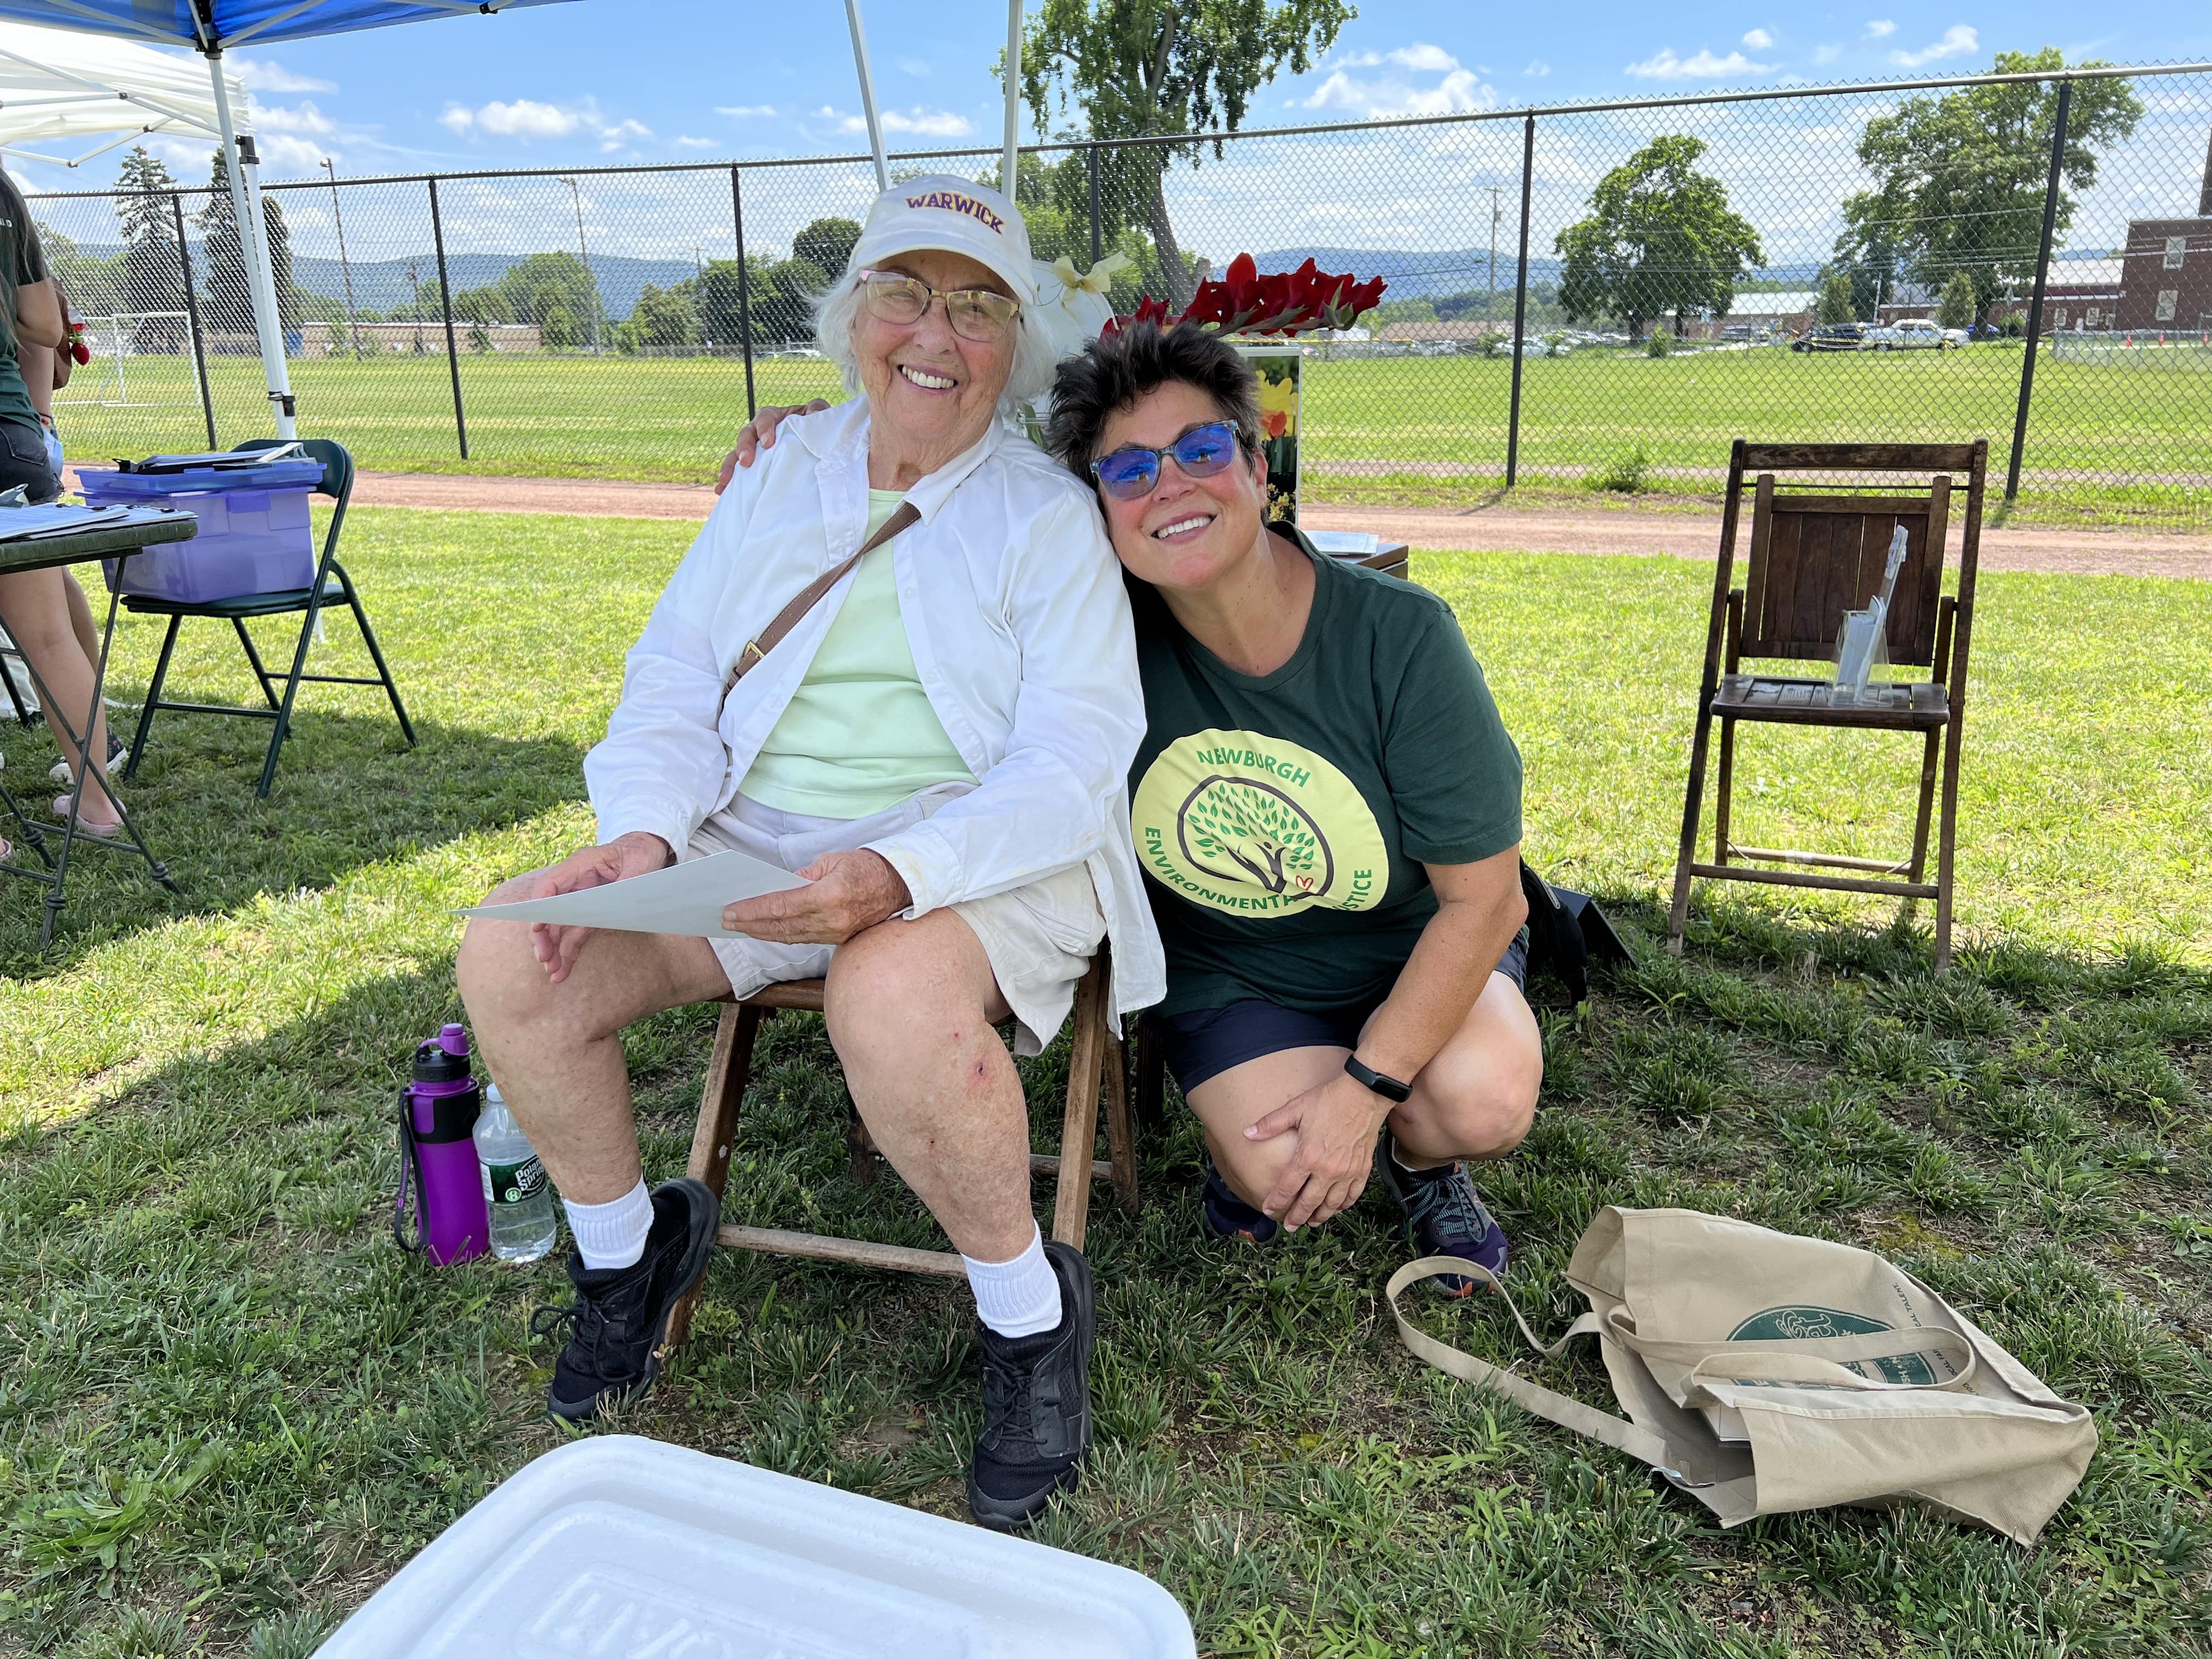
684 898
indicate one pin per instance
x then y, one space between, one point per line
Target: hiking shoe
1445 1216
1228 1216
1036 1405
620 1316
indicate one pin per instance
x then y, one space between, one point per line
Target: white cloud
523 119
697 143
614 136
912 66
1460 91
262 75
1664 66
1538 68
1826 54
1758 39
920 122
1880 29
1960 38
283 152
303 118
744 110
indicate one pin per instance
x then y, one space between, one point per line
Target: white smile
924 380
1183 527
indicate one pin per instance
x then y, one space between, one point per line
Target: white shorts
1038 938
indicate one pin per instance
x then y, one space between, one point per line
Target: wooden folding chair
1818 549
1096 1059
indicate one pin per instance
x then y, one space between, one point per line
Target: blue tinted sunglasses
1200 452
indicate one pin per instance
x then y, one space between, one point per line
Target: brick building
2167 280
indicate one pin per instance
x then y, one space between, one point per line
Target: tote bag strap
808 596
1568 1412
1817 1360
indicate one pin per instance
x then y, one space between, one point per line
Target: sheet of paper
684 898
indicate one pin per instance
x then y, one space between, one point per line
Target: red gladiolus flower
1242 301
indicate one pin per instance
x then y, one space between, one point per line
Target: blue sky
689 80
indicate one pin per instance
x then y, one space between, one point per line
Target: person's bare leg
556 1050
36 610
1229 1103
911 1007
1476 1098
81 618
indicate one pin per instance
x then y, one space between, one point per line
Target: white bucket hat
951 215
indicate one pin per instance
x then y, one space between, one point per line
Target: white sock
1019 1298
611 1235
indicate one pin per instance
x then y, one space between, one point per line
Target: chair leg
254 657
1079 1134
152 699
1928 770
1693 798
728 1072
1947 844
1723 786
375 652
1121 1139
291 694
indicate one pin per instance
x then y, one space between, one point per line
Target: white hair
1035 358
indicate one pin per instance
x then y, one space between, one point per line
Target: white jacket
1020 629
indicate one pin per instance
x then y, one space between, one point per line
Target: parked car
1956 338
1908 334
1831 337
1744 332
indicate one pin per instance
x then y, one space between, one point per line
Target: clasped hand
1336 1123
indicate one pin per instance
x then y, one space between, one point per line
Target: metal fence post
2042 277
1520 301
744 287
1096 248
192 314
445 301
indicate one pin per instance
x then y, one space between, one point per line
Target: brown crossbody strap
810 596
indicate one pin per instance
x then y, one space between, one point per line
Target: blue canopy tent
211 27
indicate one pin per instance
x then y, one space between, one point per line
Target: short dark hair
1112 374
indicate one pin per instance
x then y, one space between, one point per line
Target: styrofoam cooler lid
296 473
619 1546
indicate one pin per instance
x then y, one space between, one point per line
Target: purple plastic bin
256 534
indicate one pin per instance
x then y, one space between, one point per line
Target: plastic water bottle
515 1184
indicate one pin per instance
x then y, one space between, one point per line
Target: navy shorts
1206 1042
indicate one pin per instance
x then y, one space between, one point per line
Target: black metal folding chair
330 584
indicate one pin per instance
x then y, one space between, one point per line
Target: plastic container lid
295 473
618 1546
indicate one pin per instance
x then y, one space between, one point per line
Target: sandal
104 831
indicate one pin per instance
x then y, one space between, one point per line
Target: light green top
859 736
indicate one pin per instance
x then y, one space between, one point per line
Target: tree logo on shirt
1241 821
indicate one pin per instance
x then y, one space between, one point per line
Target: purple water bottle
437 1156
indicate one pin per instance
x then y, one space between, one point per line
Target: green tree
1838 302
533 286
1960 178
666 320
1660 238
1137 68
557 329
827 245
784 313
1869 253
152 277
230 297
1957 308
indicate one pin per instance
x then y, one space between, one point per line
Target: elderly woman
1328 808
939 745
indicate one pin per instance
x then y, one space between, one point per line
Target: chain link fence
1595 298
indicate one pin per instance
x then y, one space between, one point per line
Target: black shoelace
587 1326
1447 1204
1009 1400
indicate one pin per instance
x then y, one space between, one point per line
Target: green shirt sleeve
1455 775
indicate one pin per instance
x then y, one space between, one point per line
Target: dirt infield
1684 535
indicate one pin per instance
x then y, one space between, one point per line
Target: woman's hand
759 435
636 853
1337 1123
848 893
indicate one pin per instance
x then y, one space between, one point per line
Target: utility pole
353 324
415 282
1489 304
584 254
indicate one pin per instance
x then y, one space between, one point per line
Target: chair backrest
336 460
1818 549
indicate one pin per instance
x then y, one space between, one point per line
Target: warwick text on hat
957 204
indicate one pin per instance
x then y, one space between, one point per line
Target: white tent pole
1008 176
868 93
255 248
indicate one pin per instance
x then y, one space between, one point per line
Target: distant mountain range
383 284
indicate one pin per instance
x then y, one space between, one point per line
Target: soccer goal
140 360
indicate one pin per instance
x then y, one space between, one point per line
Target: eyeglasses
1131 471
975 313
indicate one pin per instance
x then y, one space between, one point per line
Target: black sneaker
1445 1216
1228 1216
1036 1405
620 1315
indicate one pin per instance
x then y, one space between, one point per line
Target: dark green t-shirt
21 261
1282 820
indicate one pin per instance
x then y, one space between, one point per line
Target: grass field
229 1407
2128 438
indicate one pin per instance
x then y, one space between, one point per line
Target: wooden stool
1096 1058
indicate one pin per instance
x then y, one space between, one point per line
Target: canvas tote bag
1763 1372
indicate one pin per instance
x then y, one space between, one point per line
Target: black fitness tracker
1388 1087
